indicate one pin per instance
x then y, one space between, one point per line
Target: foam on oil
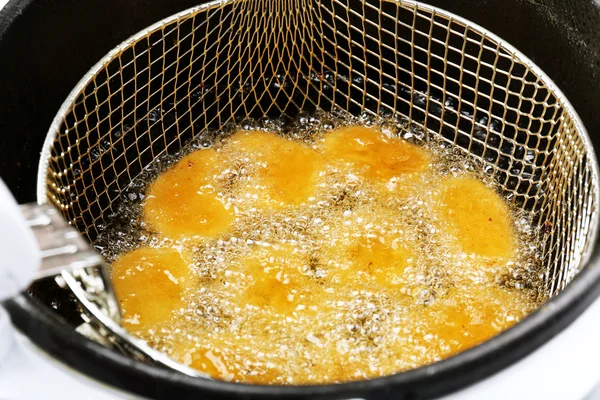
362 278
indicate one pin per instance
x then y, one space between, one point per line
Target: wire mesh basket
229 61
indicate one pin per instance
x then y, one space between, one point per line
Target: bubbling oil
326 250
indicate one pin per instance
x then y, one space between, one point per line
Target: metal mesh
247 59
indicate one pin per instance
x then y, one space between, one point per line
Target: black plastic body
46 46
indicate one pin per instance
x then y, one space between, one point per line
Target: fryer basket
230 61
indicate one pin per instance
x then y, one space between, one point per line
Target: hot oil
364 275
